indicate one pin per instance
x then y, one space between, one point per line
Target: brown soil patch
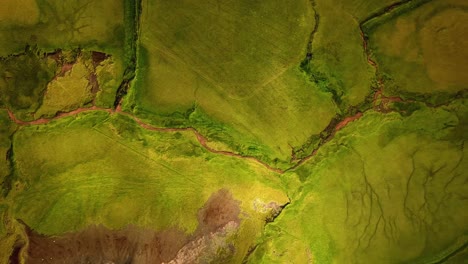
93 82
98 57
98 244
66 67
220 209
15 255
347 120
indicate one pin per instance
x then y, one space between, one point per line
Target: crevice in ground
452 254
384 11
351 113
326 135
15 257
302 153
276 213
337 123
132 20
65 61
7 183
268 220
250 251
96 59
365 44
394 8
388 10
309 53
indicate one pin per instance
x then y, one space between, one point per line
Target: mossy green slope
10 231
7 128
393 191
52 24
68 92
250 79
337 60
46 28
24 81
419 49
99 168
230 69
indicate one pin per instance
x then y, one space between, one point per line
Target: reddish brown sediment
201 139
93 82
218 211
118 108
98 244
98 57
203 142
377 96
347 120
333 127
66 67
382 103
42 121
366 51
56 55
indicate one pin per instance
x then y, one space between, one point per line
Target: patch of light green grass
236 80
99 168
382 191
416 55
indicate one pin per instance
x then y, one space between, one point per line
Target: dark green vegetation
420 50
393 192
53 24
24 81
50 28
105 169
7 128
230 70
322 131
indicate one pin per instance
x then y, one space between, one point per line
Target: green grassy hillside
220 131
